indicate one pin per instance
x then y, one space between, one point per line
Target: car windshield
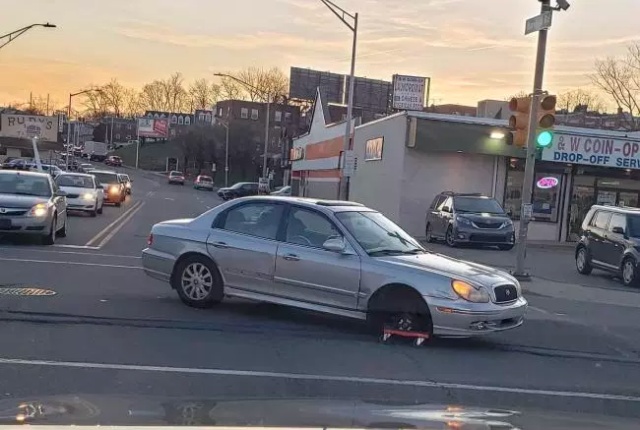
477 205
75 181
105 178
27 185
377 234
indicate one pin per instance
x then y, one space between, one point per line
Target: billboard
153 127
409 92
27 126
304 82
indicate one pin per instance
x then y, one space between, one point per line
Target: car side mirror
617 230
335 244
446 209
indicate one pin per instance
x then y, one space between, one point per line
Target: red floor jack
418 337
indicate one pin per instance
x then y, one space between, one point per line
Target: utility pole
530 161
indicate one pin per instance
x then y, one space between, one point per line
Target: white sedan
83 192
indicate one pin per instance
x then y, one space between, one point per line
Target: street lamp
266 128
10 37
353 26
72 95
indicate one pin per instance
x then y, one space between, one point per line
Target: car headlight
114 189
88 196
39 210
463 220
470 292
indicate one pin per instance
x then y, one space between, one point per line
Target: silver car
31 203
336 257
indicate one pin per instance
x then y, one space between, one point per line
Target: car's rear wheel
582 261
64 230
629 272
427 233
197 281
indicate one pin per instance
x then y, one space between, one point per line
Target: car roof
623 209
25 173
104 171
86 175
330 205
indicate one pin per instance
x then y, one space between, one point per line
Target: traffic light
519 121
546 121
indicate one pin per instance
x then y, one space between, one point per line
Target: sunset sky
472 49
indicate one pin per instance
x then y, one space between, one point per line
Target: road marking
539 310
77 247
72 263
168 198
105 230
313 377
119 226
97 254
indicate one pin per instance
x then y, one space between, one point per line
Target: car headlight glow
469 292
463 220
88 196
114 189
39 210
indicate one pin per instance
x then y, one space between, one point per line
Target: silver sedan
337 257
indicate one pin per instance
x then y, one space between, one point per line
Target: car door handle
221 245
291 257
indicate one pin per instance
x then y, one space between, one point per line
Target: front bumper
485 236
203 185
25 225
457 318
80 204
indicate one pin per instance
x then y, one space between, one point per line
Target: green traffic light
544 139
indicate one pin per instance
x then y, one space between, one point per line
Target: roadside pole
226 156
530 163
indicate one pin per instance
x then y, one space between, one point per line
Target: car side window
601 219
436 202
618 220
309 228
255 219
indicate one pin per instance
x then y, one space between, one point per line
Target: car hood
484 217
454 268
77 190
14 201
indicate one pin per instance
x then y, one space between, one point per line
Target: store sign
28 126
373 149
547 182
409 92
594 151
296 153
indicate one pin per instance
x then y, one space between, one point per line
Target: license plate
5 224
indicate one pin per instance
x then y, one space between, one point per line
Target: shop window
546 195
254 114
244 113
278 116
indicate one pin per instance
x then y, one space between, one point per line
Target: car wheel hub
197 281
627 272
581 259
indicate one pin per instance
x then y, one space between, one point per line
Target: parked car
241 189
126 181
335 257
282 191
82 191
176 177
469 218
113 160
84 167
203 182
32 204
13 163
609 241
114 190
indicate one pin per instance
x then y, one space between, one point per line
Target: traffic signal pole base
523 277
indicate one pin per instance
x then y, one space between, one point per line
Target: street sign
349 163
527 211
539 22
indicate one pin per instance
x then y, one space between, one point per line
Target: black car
241 189
609 241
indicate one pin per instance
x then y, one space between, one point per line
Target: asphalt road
106 333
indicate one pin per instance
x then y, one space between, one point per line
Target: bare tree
619 78
264 83
580 99
176 96
520 94
203 94
152 96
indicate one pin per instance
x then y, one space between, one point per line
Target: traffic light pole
530 163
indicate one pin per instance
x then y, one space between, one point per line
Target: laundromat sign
593 151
